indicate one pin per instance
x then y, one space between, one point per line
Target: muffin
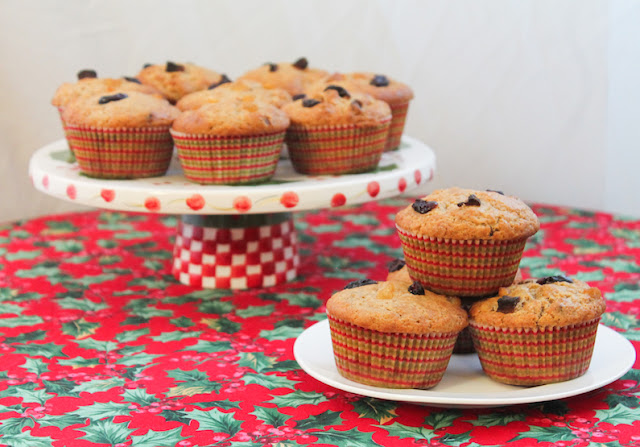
177 80
239 90
389 335
120 135
537 332
465 242
292 77
395 93
336 132
230 142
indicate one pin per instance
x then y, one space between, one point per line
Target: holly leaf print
35 366
106 432
215 420
80 328
94 386
268 381
191 382
139 396
81 304
27 395
441 419
14 426
222 324
620 414
379 410
298 398
351 438
494 419
23 320
175 336
321 420
404 431
619 320
256 361
625 292
255 311
26 439
100 410
271 416
25 337
548 434
281 333
209 346
167 438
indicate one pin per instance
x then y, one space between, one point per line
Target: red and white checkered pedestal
235 252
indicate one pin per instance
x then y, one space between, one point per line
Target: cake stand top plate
403 170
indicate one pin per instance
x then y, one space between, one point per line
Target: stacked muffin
228 132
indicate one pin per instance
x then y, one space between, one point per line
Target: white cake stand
233 236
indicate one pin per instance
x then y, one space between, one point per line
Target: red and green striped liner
535 356
390 360
398 119
228 160
465 268
334 150
120 153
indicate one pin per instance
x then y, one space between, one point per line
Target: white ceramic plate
464 385
399 171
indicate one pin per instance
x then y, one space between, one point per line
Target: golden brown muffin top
121 109
292 77
377 85
533 305
234 90
388 306
175 80
247 116
336 106
398 272
466 214
86 87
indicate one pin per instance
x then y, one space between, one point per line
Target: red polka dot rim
235 252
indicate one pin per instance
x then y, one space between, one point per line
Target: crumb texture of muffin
495 217
175 80
242 91
293 77
88 87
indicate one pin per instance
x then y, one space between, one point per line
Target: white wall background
539 98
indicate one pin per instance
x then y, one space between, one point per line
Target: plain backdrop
538 98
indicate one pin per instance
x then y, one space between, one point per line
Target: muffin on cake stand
233 237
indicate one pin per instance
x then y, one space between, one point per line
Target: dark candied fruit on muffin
552 279
301 63
342 92
110 98
379 81
299 96
224 79
171 67
496 191
472 200
416 288
423 206
272 66
396 265
507 304
82 74
132 79
310 102
360 283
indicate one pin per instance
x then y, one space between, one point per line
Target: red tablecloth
102 346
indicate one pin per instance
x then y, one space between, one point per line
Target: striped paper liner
535 356
120 153
398 118
230 159
390 360
461 267
334 150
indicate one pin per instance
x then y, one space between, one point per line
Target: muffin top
379 86
292 77
464 214
551 301
90 86
337 106
233 117
389 306
239 90
120 109
177 80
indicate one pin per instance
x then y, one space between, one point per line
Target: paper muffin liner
398 119
535 356
228 160
334 150
390 360
120 153
465 268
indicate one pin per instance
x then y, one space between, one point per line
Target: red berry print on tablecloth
417 175
152 204
402 184
338 199
108 195
289 199
45 182
71 192
242 204
195 202
373 188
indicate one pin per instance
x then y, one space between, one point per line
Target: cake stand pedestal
233 237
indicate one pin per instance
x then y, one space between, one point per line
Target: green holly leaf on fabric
191 382
587 246
625 292
14 426
320 421
26 439
405 431
167 438
209 346
182 322
546 434
631 236
594 275
614 400
67 245
62 387
166 337
298 398
619 320
215 420
25 337
130 235
139 396
219 404
23 255
22 320
271 416
496 419
7 294
441 419
109 260
35 366
284 366
301 299
222 324
127 336
79 362
102 410
97 345
95 386
620 414
81 304
327 228
106 432
61 420
80 328
30 395
139 359
47 350
349 438
7 308
363 240
281 333
216 307
256 361
268 381
379 410
255 311
626 265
